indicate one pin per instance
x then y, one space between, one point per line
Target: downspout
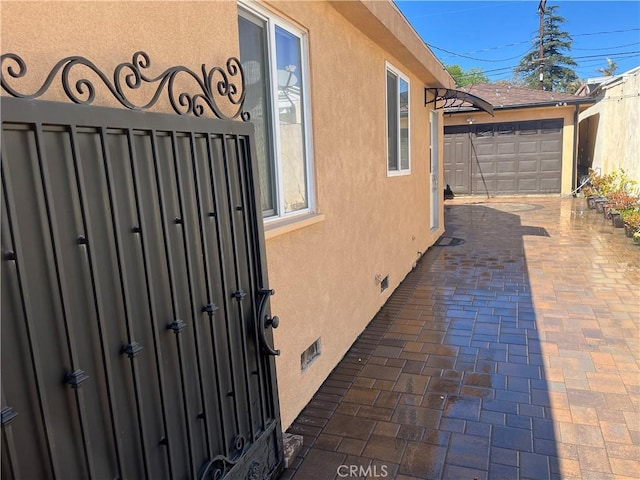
574 173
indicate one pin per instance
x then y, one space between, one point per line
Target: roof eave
384 24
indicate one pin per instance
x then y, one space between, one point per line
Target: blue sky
496 34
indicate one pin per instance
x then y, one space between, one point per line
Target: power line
603 33
466 55
607 48
474 58
620 54
593 59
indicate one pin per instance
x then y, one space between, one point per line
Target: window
272 54
398 161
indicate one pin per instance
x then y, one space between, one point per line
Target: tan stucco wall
567 114
325 273
109 32
615 141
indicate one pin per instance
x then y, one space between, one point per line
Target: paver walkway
512 355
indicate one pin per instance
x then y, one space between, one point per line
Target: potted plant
631 221
636 237
590 194
594 189
618 202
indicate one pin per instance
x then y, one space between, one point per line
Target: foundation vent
384 284
310 354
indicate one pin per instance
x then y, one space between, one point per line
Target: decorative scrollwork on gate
215 85
217 467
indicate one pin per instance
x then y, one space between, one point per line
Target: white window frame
401 76
272 21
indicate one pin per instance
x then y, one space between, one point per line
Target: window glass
272 56
506 129
253 52
392 120
552 126
398 121
404 125
485 130
291 118
528 128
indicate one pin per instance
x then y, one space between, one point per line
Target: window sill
279 227
398 173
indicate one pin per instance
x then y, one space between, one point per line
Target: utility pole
541 7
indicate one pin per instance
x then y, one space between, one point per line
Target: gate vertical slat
234 229
143 237
214 181
22 294
181 360
224 274
124 291
207 286
253 280
195 303
153 320
168 258
214 349
75 376
88 264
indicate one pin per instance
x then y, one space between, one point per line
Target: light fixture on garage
470 120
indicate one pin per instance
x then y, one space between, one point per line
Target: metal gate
135 325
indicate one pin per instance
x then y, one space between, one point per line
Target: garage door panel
478 186
506 148
506 166
551 146
485 150
528 185
527 147
485 165
506 185
550 166
528 166
550 185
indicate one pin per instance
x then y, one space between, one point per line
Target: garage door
504 158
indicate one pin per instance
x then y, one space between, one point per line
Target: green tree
462 78
556 65
610 69
574 86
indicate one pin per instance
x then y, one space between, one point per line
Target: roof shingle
502 96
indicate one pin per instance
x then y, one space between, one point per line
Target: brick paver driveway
514 354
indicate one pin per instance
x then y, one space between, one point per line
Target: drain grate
448 242
536 231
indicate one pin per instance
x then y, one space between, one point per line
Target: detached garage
527 147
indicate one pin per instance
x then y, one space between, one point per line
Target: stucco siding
108 33
369 224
